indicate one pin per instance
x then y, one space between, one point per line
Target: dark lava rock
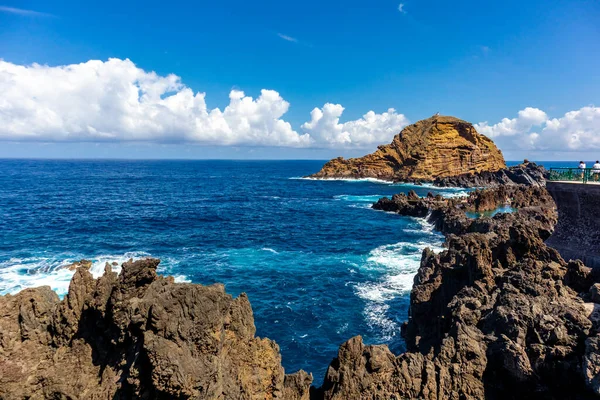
137 335
498 315
527 173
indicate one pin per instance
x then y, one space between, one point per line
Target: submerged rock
137 335
436 147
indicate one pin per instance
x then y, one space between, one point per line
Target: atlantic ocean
318 264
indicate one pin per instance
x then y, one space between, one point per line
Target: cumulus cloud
117 101
401 8
525 120
324 127
533 129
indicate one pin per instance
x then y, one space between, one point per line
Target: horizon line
205 159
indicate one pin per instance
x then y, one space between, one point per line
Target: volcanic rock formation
498 315
527 174
137 335
436 147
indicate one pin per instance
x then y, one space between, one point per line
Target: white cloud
116 101
525 120
288 38
401 8
324 127
576 129
532 129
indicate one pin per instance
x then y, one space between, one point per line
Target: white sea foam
20 273
270 250
399 263
426 226
181 279
372 180
458 193
363 206
343 328
444 191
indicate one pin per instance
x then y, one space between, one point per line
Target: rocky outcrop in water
498 315
436 147
137 335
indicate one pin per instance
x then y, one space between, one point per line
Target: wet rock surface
498 315
137 335
526 174
436 147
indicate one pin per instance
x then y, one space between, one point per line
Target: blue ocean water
318 265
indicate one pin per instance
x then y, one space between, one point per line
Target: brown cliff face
436 147
137 335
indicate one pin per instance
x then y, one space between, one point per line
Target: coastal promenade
577 233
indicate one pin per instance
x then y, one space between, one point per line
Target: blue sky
480 61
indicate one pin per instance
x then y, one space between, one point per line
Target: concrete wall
577 233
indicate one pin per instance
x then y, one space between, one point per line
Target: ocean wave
426 226
17 274
270 250
399 263
363 206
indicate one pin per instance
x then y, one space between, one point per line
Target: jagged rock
498 315
87 264
137 335
436 147
527 174
297 386
595 292
591 364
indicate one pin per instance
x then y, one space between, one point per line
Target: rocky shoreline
497 315
137 335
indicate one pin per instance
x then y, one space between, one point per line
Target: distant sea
319 266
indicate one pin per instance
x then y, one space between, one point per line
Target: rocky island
437 147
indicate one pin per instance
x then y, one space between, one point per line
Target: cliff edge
436 147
